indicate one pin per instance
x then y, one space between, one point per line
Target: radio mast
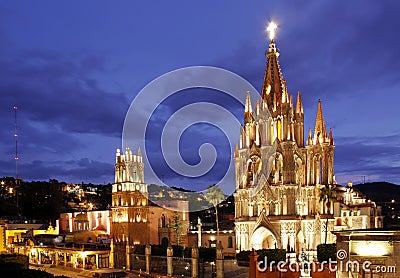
16 141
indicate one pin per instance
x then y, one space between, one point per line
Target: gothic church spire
273 86
320 128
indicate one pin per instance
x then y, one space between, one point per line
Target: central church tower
279 177
130 210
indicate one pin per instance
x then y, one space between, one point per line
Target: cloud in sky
60 108
73 73
90 170
54 89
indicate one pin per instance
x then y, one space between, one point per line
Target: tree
177 225
327 195
215 195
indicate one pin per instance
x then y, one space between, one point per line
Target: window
163 222
212 242
230 242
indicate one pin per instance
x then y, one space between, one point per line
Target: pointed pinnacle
331 137
299 103
248 107
319 120
236 154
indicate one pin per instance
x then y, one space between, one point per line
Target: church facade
279 172
135 220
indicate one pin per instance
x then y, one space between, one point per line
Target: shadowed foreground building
368 253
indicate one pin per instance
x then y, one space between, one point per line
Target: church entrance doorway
263 238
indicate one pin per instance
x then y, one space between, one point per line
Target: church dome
100 228
81 217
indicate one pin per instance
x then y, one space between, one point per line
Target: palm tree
215 195
327 195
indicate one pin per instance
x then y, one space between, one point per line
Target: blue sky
74 67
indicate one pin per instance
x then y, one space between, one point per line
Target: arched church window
320 172
255 209
119 173
272 165
249 174
299 171
271 135
280 168
317 169
163 222
279 130
230 242
135 174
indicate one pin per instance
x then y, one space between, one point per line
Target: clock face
137 187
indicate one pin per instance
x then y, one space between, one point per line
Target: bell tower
130 210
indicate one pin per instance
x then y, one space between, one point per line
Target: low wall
295 272
288 271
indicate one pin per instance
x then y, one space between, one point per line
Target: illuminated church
134 218
279 172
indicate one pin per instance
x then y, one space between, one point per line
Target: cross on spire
271 29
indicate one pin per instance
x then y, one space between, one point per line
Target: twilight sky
74 67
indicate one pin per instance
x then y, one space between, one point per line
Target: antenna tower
16 141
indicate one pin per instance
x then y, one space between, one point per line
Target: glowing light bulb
271 29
